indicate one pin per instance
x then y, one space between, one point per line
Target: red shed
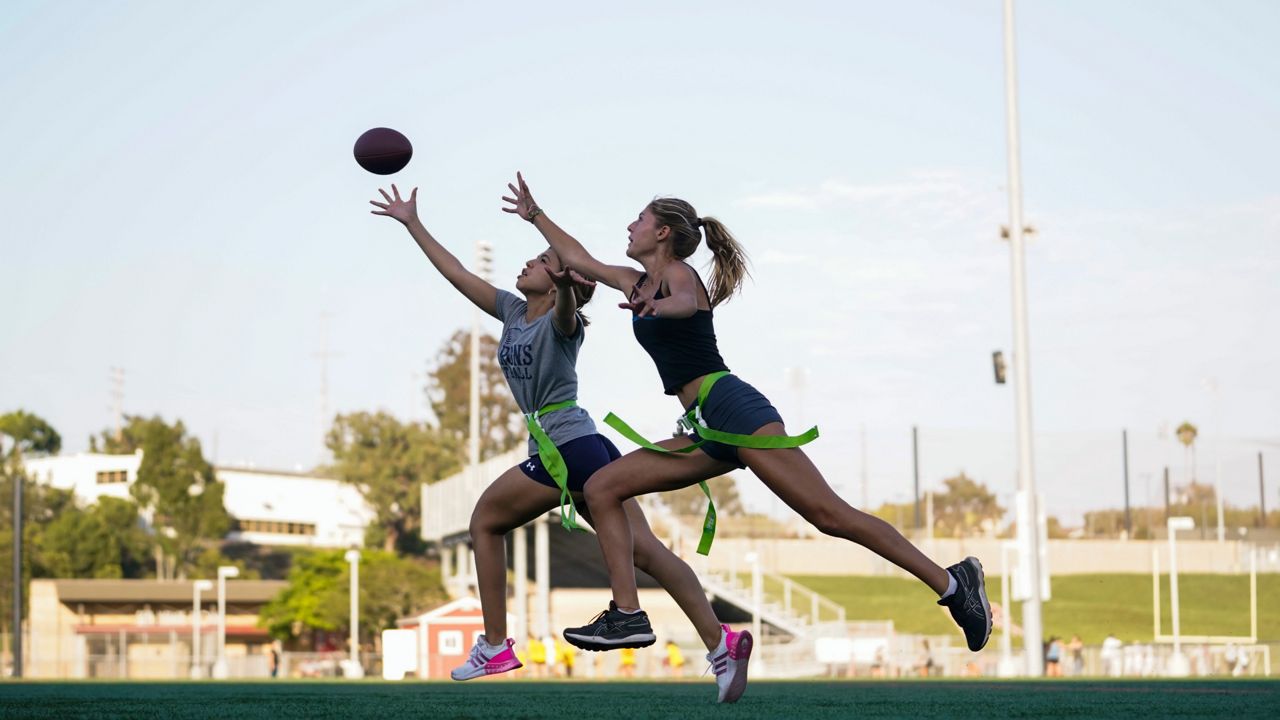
446 634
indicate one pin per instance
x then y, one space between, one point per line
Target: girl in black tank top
666 233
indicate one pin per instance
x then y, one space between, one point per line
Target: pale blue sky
180 200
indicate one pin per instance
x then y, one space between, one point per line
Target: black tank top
683 349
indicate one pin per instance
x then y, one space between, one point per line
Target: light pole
1211 385
1178 664
353 558
1032 632
484 261
197 587
757 592
220 665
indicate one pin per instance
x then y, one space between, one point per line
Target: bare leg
673 574
639 473
792 476
510 502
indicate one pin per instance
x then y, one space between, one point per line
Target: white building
269 507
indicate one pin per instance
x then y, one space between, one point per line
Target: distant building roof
238 591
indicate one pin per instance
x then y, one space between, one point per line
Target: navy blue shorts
733 406
582 456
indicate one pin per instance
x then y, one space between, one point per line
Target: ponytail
729 260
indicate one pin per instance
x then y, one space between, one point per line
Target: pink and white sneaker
484 661
729 661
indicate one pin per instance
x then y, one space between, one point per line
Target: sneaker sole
491 670
986 606
597 644
739 683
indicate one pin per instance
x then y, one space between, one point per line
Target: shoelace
711 663
477 658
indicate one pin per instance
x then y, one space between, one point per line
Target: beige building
144 629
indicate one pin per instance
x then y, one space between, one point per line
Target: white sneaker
484 661
729 661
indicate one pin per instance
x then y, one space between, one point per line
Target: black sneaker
612 629
968 605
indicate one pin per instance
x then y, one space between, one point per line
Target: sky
180 201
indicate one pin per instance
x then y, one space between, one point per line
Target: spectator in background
924 664
1111 655
674 659
1076 648
537 657
1053 657
627 662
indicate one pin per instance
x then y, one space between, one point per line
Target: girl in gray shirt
541 336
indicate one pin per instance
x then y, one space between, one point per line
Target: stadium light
1032 629
197 587
353 558
220 665
1178 664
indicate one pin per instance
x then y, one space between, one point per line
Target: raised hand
568 278
395 207
640 307
522 204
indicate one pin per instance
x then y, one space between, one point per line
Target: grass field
498 700
1090 605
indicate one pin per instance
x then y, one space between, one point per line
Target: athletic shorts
582 457
733 406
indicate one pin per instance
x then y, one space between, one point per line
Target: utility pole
866 494
324 355
1031 618
18 481
915 470
117 402
1128 522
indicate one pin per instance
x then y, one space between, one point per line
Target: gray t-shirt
539 363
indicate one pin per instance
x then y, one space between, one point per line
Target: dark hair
729 260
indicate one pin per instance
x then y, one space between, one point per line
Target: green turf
1088 605
500 700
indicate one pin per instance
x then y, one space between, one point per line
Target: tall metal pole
1262 495
17 574
483 260
1167 509
866 495
1128 521
1031 624
353 557
915 468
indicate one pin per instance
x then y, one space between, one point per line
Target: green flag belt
553 461
693 421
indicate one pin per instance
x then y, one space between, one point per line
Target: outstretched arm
566 309
571 252
484 295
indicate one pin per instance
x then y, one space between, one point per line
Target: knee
600 491
828 522
482 525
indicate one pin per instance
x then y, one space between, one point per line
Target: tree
317 597
179 489
966 507
40 505
104 540
691 500
449 392
30 434
388 461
